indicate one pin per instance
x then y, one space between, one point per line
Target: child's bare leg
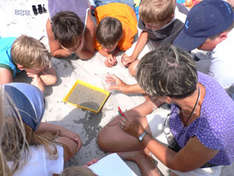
144 162
132 68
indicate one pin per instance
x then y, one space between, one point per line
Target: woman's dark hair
109 31
67 26
167 71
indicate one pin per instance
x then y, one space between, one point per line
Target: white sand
17 18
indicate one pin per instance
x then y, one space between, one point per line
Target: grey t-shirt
165 35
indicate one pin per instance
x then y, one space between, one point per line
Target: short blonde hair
157 11
30 52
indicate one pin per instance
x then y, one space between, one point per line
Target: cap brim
187 42
30 108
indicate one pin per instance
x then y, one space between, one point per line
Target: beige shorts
156 121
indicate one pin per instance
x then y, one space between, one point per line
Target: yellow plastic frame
91 87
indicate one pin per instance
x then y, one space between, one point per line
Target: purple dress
79 7
215 126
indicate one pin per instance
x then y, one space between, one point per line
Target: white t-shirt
222 62
39 163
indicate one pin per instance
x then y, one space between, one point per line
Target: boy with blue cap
209 27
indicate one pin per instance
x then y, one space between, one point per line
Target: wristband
141 137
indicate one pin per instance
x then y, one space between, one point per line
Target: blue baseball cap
204 20
29 102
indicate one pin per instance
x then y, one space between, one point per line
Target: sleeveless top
79 7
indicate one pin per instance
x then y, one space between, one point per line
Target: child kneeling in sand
28 54
117 27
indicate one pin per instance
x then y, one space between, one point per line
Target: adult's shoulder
216 103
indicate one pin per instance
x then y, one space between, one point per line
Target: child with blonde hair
28 54
159 27
28 146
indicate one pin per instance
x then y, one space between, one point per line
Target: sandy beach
18 18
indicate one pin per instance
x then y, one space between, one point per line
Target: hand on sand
126 60
111 61
115 83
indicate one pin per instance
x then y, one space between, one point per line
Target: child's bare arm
70 141
36 81
87 49
104 53
110 58
48 76
55 48
141 42
5 76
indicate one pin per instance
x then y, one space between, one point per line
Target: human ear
222 36
20 67
168 100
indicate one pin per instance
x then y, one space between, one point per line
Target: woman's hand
132 127
115 83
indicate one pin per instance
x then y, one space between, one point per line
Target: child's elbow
88 54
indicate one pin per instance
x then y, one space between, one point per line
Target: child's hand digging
110 61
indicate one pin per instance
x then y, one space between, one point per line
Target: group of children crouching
74 27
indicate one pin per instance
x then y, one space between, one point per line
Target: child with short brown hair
28 54
74 20
117 27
